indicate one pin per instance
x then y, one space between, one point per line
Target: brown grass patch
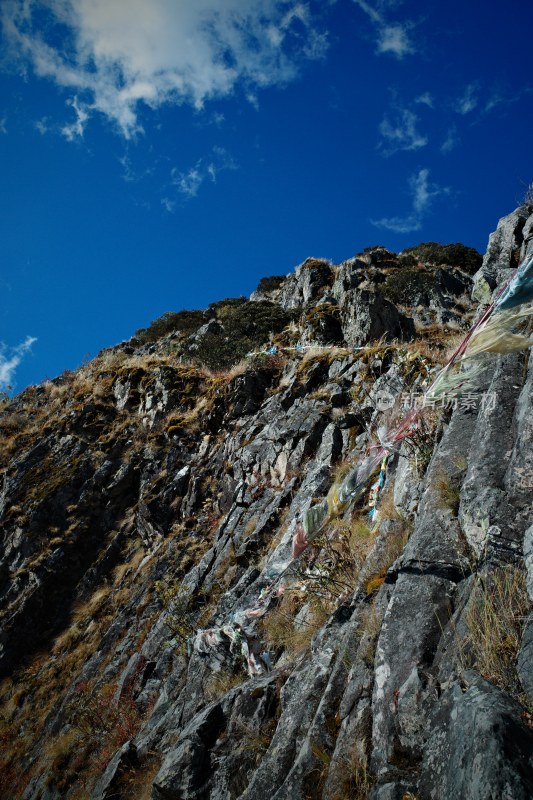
495 619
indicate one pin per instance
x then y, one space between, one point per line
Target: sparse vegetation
327 573
409 286
450 491
495 620
220 683
179 618
354 777
246 326
455 255
271 283
186 322
527 198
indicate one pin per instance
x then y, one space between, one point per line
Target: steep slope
158 637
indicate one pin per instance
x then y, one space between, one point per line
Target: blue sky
163 154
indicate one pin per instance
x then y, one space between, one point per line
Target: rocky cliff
162 637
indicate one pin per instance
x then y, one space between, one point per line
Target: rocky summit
168 628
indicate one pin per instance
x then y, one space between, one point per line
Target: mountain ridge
149 498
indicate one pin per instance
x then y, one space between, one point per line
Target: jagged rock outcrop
145 499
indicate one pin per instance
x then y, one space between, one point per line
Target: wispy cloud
117 56
423 194
451 141
503 97
425 99
132 174
41 125
391 37
206 169
468 99
400 132
10 358
76 129
3 124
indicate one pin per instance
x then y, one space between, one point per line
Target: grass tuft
495 620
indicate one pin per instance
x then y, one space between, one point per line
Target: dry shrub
327 353
67 640
495 618
280 630
256 740
370 628
138 782
355 778
450 492
227 375
92 608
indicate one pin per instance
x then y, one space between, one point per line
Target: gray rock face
505 250
479 747
158 638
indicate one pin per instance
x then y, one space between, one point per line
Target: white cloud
504 97
425 99
3 126
401 133
117 57
10 358
207 168
131 174
395 39
423 194
451 141
76 129
42 126
391 37
468 99
168 204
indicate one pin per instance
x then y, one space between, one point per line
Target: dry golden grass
256 741
370 629
279 628
386 506
324 353
355 780
137 783
67 640
450 492
495 619
221 682
227 375
83 612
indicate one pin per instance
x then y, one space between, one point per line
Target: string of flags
494 332
276 350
